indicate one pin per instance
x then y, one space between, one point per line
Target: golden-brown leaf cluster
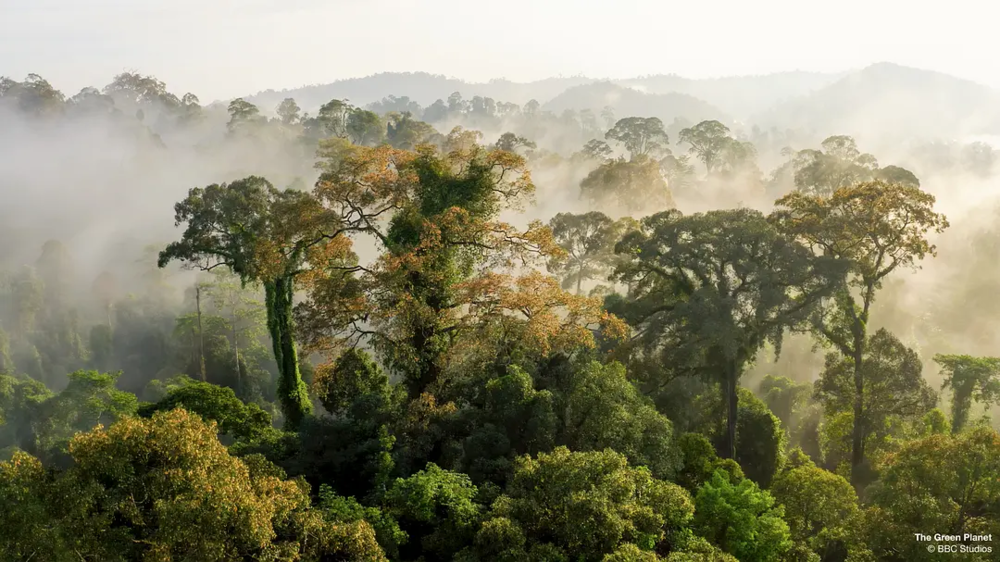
366 180
879 226
184 497
544 317
451 277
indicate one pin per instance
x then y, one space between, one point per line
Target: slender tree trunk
579 281
194 345
858 431
111 339
236 349
292 393
201 334
732 404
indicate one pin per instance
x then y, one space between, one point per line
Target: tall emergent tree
596 149
715 287
970 379
511 142
243 117
837 164
589 241
263 235
405 132
877 228
288 111
641 136
707 140
635 185
441 274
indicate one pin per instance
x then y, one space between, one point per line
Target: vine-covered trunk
428 342
292 393
428 367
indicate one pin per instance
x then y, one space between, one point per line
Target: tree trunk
236 349
428 369
732 403
966 498
201 334
111 339
292 392
959 410
858 430
194 345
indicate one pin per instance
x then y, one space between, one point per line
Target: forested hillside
602 326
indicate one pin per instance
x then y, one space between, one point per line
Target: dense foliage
406 362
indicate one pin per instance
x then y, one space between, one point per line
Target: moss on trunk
292 392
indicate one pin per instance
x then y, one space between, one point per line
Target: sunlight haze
401 281
225 49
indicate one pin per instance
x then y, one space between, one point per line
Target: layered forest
610 325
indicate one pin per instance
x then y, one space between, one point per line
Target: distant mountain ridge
739 96
888 100
907 101
421 87
736 95
628 101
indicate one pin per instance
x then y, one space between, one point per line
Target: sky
221 49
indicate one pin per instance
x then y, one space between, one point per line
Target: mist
438 304
104 181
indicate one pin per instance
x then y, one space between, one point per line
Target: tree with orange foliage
448 272
877 228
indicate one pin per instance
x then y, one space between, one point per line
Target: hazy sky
226 48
